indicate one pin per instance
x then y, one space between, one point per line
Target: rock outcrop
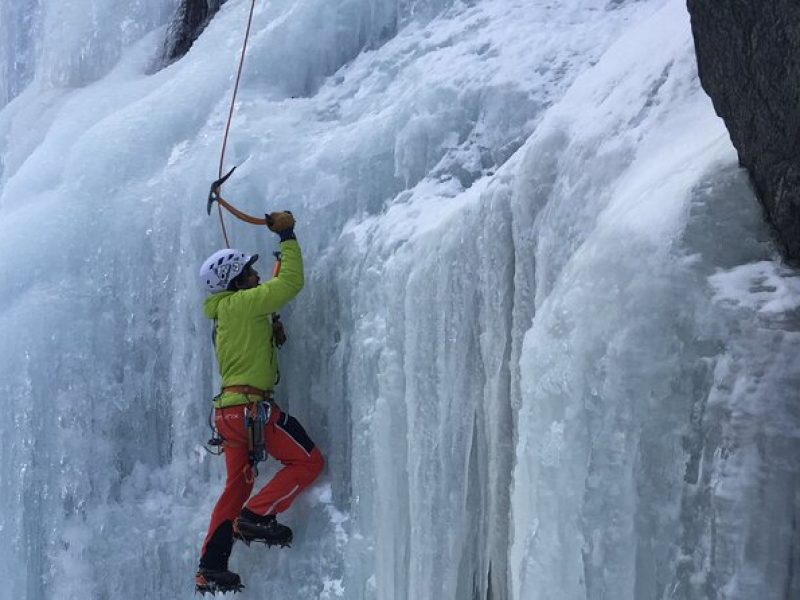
748 55
190 19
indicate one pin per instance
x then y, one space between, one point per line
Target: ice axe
213 193
214 196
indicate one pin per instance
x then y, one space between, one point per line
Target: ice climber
241 307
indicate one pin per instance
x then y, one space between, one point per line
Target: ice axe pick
213 193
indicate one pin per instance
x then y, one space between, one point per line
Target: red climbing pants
287 442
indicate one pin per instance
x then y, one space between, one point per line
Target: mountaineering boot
250 527
209 580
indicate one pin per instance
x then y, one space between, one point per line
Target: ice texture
545 344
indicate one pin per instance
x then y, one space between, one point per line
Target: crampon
208 581
250 527
287 543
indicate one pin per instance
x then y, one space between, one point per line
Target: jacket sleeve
271 295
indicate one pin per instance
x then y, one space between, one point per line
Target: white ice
545 344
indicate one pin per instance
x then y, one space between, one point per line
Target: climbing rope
216 187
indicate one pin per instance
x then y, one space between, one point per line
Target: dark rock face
190 19
748 54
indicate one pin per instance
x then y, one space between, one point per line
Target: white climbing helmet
221 267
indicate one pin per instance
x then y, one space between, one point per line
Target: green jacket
246 353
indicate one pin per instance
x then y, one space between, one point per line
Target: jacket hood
211 303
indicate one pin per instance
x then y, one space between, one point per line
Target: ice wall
648 443
544 343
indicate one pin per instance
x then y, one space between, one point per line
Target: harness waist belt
248 390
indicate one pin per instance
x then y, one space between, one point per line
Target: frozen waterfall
545 344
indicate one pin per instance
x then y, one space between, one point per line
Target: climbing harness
256 416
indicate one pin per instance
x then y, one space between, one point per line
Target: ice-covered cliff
746 53
545 344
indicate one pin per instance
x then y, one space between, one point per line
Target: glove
281 223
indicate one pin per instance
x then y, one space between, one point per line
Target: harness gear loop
217 442
256 417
